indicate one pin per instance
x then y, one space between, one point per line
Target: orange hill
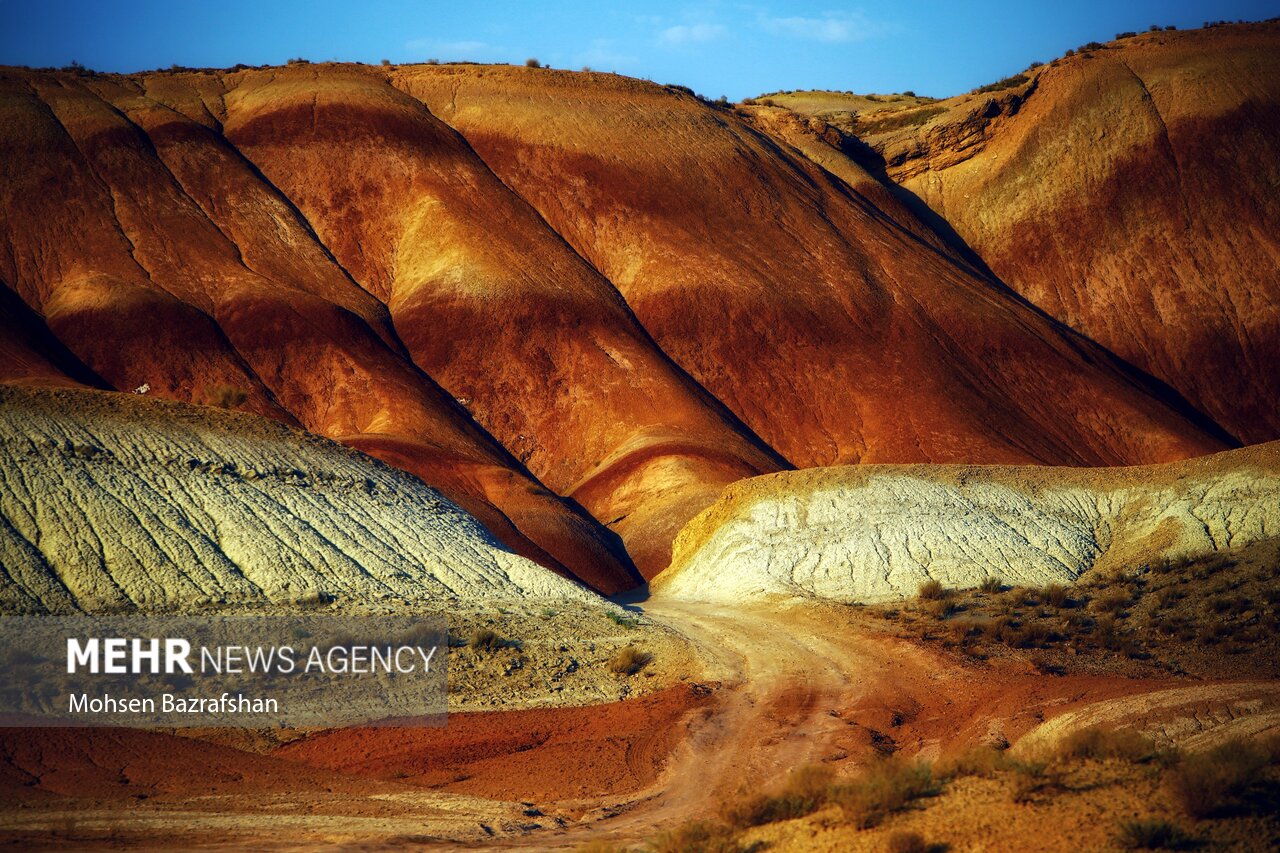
579 304
1132 192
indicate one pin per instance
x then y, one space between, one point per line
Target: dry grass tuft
1102 742
629 660
931 590
807 789
697 837
1216 782
888 787
1152 835
486 640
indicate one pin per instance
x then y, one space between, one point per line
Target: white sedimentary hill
876 532
118 502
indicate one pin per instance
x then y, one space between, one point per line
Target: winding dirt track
786 681
793 686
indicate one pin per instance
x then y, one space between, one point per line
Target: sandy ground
777 689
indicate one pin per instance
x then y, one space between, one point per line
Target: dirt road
789 687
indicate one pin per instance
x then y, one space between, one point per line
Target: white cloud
682 34
832 27
450 49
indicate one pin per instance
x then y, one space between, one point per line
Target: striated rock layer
875 532
111 502
156 253
1132 192
579 305
832 329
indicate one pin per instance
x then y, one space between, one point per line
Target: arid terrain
827 471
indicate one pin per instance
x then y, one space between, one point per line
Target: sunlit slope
873 532
114 502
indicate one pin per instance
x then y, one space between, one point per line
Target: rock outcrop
1132 192
112 502
156 253
579 305
832 329
876 532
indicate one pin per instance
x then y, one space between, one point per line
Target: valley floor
779 688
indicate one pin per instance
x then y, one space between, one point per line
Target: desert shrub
981 761
1093 45
1054 595
225 396
697 837
1111 601
298 60
904 841
532 62
999 85
931 590
909 93
623 619
991 583
1101 742
939 608
1128 34
898 120
629 660
887 787
1035 779
807 789
1214 782
1152 835
485 640
386 62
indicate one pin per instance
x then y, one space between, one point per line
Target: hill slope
872 532
579 305
837 333
1130 191
112 502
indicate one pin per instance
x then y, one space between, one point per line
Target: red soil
537 755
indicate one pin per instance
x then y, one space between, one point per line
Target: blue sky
717 48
